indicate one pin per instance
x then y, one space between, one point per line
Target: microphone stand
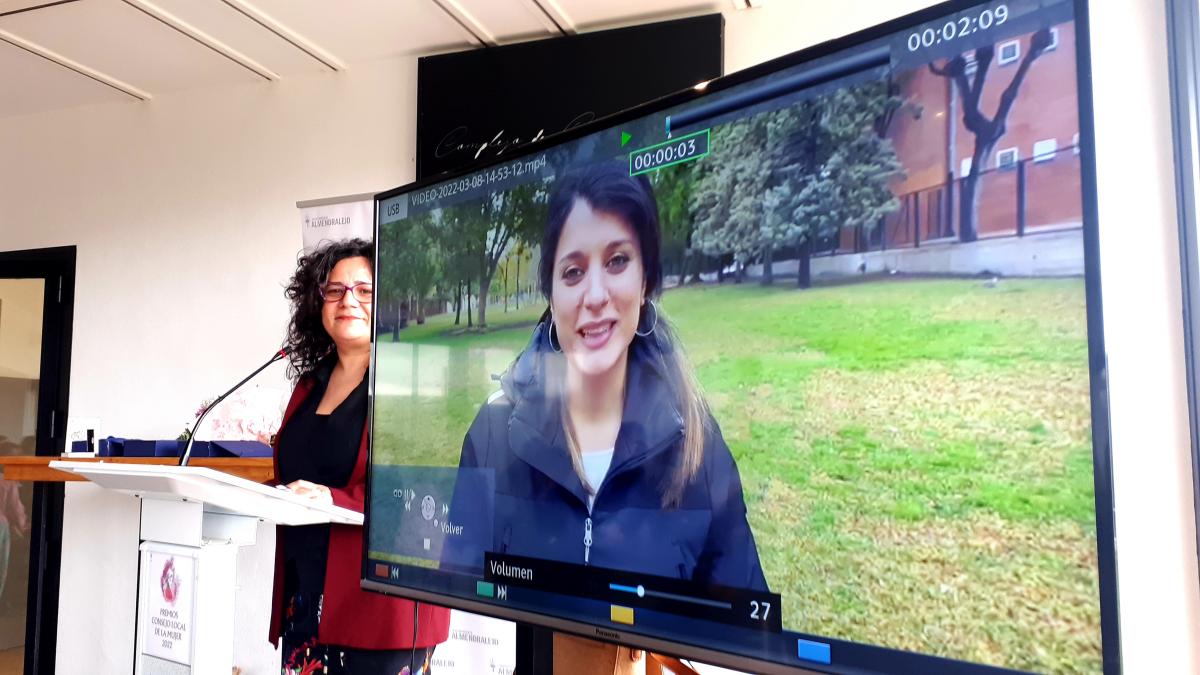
187 450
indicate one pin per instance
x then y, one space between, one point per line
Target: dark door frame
57 267
1183 52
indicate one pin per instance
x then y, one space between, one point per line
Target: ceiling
65 53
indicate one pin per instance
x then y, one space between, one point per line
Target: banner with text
332 221
477 644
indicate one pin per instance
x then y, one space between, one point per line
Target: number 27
755 606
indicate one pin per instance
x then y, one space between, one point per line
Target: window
965 167
971 64
1009 52
1008 158
1044 151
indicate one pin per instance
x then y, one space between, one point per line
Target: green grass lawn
916 455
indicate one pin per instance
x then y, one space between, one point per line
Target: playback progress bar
755 609
642 592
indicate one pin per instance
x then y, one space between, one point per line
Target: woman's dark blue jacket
540 505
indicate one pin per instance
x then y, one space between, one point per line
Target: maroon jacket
350 616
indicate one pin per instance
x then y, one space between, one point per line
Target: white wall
1155 516
183 212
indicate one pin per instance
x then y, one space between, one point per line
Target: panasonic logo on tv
608 634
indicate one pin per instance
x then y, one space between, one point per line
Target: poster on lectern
167 629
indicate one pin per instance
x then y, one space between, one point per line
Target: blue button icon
813 651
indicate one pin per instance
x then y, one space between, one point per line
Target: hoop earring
652 326
550 336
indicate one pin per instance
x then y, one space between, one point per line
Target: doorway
37 289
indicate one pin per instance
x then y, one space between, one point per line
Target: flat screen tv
800 369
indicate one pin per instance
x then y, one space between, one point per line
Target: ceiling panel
590 14
18 5
235 29
364 31
29 84
510 20
130 46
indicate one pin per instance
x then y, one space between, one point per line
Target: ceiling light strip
470 24
557 14
75 66
181 26
304 45
32 8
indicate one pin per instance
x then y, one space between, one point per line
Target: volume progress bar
642 591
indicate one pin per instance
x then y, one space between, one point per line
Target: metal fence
1016 198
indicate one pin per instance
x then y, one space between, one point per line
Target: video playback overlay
737 607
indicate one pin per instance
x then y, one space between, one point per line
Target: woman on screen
602 447
328 624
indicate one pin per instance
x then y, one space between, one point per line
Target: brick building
1039 149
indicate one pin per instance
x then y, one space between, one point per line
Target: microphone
187 450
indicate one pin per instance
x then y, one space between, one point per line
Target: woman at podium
327 623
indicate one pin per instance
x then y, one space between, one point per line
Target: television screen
801 368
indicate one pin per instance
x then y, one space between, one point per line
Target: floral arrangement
249 414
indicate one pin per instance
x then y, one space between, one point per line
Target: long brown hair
608 187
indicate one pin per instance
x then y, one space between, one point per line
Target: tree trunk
468 301
485 284
420 310
458 304
804 278
768 263
517 297
968 198
396 326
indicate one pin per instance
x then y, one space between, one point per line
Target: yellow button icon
620 614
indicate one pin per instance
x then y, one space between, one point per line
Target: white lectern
193 521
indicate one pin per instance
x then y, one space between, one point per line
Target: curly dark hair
307 342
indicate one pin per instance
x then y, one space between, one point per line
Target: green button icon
485 589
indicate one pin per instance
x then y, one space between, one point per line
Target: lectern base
186 592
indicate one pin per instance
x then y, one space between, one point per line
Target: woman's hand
313 491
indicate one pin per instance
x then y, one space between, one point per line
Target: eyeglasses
364 292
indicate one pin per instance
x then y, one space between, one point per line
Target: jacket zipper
587 539
587 522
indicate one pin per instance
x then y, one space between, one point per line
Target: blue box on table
140 448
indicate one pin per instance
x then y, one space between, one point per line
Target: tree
789 176
837 169
673 189
987 131
412 269
458 256
727 210
421 261
391 278
499 220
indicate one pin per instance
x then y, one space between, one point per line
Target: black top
322 449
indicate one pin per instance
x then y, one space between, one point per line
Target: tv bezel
1097 366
